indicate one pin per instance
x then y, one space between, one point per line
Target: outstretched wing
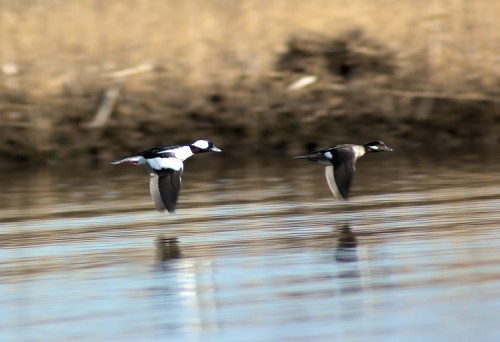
331 182
164 187
344 162
343 174
340 163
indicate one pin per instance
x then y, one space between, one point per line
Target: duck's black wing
153 152
342 172
148 154
164 186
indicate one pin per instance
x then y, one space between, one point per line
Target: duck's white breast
166 163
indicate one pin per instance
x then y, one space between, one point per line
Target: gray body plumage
340 164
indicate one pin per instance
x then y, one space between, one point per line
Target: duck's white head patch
203 144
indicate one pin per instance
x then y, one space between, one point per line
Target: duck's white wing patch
331 182
182 153
165 164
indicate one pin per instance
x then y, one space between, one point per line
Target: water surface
257 251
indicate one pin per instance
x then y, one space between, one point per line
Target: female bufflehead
165 166
340 161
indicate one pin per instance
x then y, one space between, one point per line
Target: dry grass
69 51
50 46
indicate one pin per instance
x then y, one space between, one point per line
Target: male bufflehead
340 162
165 166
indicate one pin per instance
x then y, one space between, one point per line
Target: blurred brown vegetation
92 78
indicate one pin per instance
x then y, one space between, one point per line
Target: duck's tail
134 160
314 157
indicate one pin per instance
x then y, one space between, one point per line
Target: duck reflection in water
167 248
345 250
348 274
346 255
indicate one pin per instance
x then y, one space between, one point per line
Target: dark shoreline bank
323 91
275 127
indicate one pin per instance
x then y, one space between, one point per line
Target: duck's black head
203 145
377 146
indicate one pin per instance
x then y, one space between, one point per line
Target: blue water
261 254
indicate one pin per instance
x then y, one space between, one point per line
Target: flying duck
340 162
165 166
